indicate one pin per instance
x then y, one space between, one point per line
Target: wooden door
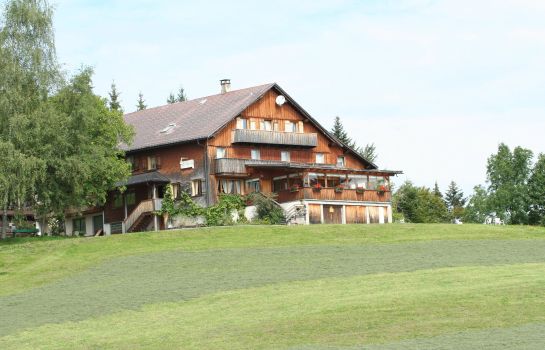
373 215
333 214
355 214
314 214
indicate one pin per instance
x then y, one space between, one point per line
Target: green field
273 287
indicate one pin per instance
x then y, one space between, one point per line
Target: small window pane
285 156
320 158
220 152
256 154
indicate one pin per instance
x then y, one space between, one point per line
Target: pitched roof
190 120
201 118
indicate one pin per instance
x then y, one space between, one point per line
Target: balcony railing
331 194
275 137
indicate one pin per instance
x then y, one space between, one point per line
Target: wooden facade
270 148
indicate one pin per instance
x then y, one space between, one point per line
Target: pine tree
339 132
454 200
181 95
171 98
141 102
437 191
536 190
368 152
115 102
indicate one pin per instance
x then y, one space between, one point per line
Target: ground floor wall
85 225
335 212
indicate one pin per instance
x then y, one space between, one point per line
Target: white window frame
285 156
320 158
221 152
255 154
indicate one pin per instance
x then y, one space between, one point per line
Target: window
242 123
289 126
300 127
315 179
340 161
78 226
230 186
130 198
357 181
276 126
154 162
221 152
285 156
253 185
176 190
280 183
118 200
373 182
253 125
196 187
266 125
255 154
320 158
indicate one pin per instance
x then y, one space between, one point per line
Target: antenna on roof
225 85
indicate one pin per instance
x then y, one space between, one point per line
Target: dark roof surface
151 177
190 120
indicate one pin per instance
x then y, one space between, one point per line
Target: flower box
360 190
339 189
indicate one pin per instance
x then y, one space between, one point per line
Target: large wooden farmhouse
254 139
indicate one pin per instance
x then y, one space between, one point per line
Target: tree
536 191
141 102
419 204
181 97
507 174
368 152
115 102
339 132
478 206
437 191
171 98
28 73
454 200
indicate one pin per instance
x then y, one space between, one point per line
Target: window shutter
239 123
158 162
300 127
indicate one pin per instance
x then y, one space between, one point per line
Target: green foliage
508 173
455 201
141 103
171 98
437 191
268 211
536 190
419 204
115 102
478 206
220 214
181 97
368 152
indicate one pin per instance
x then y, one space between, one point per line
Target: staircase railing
145 206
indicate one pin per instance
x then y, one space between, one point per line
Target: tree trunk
4 221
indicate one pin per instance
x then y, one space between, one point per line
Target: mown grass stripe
422 309
131 282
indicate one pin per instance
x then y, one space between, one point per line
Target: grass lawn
273 287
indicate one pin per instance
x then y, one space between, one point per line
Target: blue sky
436 85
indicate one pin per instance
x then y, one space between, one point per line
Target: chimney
225 85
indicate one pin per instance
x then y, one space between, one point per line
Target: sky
435 85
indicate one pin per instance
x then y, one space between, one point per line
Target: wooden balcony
275 138
328 194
